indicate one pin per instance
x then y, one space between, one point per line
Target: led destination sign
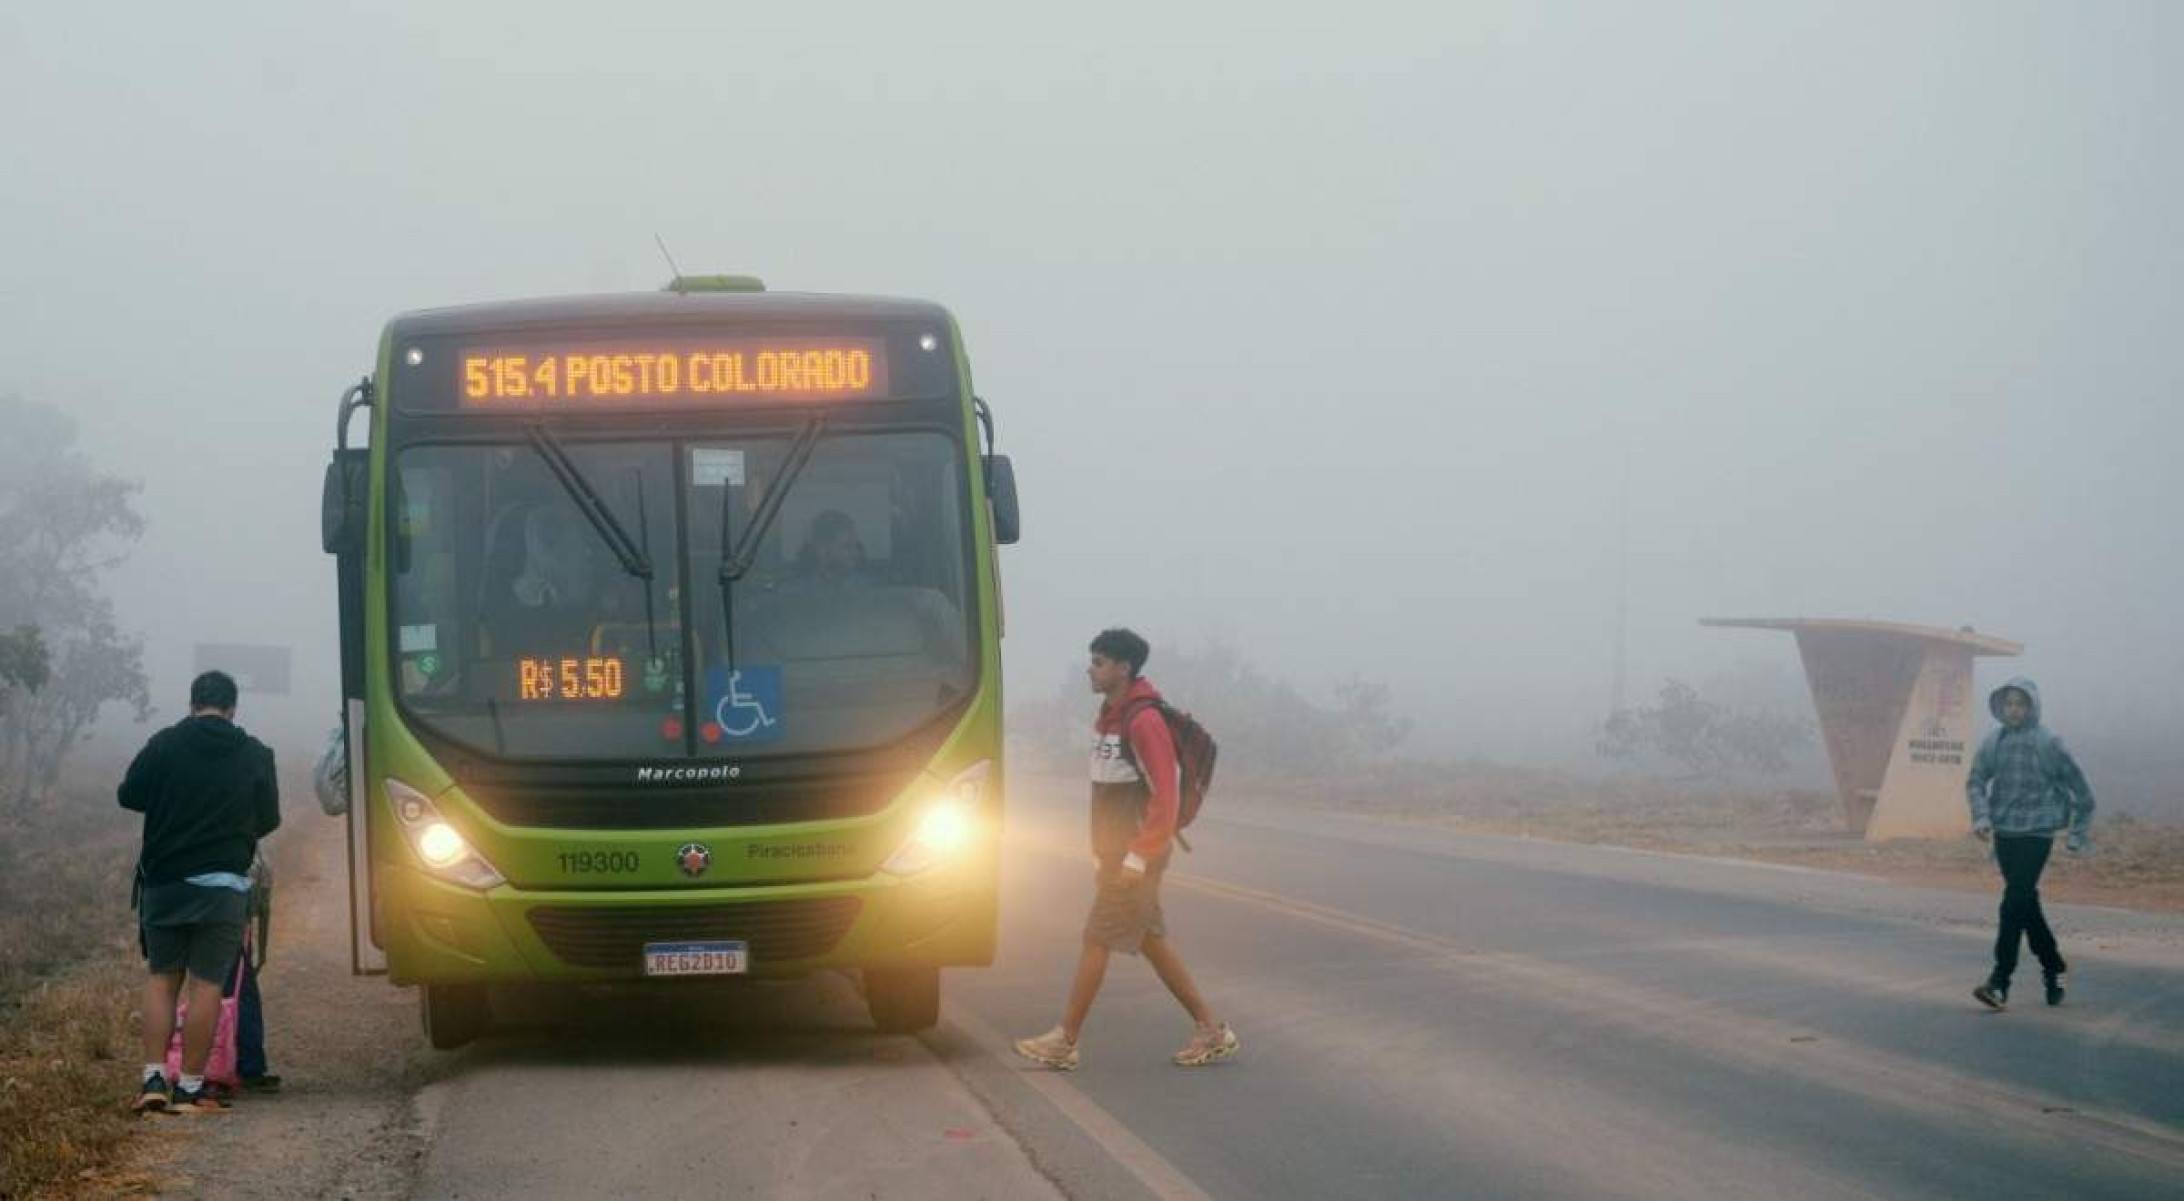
793 369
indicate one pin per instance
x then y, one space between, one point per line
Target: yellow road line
1740 1039
1707 1029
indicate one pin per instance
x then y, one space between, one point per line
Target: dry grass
69 981
1627 811
66 1055
64 886
2136 864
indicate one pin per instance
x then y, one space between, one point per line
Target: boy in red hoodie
1134 796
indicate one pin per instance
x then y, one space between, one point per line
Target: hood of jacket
2023 684
210 736
1141 689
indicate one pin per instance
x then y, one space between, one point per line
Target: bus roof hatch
715 283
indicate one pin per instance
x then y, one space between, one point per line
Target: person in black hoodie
207 793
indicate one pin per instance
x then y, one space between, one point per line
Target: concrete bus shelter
1897 714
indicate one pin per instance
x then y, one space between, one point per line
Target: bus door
344 517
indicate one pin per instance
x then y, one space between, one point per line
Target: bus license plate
697 958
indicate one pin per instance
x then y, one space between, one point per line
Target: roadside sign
259 670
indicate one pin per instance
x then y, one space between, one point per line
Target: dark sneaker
201 1100
154 1095
268 1083
2055 988
1993 996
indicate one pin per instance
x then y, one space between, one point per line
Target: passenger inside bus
543 589
850 634
833 556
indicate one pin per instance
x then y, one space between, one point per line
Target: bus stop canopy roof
1980 644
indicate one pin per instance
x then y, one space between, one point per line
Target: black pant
249 1021
2021 859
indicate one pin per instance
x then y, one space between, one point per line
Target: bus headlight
440 846
950 823
945 828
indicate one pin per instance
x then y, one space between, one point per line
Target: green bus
670 646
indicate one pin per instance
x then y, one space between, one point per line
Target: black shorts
192 928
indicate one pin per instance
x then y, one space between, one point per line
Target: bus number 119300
597 862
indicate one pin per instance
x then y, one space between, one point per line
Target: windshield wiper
736 555
644 553
632 557
635 559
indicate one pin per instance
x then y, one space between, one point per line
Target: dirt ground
350 1058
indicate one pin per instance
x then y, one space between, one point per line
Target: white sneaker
1208 1045
1052 1049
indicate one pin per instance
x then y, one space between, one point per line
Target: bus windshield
519 634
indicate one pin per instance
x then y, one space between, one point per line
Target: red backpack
1195 751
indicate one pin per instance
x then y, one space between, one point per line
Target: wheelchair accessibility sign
743 705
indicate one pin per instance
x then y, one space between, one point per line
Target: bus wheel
903 1000
454 1014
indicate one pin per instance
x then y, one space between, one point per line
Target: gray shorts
191 928
1125 908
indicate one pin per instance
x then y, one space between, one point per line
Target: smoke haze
1384 340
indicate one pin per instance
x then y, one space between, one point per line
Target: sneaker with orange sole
199 1100
154 1095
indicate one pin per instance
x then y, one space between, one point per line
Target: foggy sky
1361 337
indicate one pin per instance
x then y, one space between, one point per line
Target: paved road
768 1092
1424 1015
1427 1014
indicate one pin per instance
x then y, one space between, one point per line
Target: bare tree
24 662
63 523
1364 712
1704 738
1266 725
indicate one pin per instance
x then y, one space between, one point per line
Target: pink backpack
220 1065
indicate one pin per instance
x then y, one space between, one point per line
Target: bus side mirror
343 510
342 506
1001 493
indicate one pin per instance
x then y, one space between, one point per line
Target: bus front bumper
437 932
